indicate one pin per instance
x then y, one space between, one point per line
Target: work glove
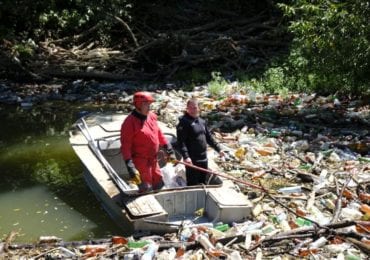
171 157
133 173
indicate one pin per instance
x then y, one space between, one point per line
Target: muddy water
42 191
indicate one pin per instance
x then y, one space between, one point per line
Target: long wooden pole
221 175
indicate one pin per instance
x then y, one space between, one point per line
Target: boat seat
228 197
227 205
146 205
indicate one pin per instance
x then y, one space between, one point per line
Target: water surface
42 191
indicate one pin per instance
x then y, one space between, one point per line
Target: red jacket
141 136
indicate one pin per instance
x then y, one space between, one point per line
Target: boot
159 185
145 187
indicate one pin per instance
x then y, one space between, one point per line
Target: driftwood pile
193 40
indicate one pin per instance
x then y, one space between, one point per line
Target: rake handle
221 175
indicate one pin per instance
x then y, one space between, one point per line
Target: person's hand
133 172
172 157
136 179
188 160
222 154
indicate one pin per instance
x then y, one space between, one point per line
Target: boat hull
159 211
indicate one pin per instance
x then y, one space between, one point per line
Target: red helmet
142 96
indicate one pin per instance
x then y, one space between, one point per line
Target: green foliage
24 50
59 18
272 81
331 49
217 86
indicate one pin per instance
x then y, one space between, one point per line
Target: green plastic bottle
137 244
222 227
302 222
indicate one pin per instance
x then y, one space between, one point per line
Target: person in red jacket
141 138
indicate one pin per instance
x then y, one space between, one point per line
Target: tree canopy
305 45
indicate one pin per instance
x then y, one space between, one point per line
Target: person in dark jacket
141 138
192 139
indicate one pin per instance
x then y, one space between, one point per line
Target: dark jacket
192 138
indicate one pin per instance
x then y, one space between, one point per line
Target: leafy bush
24 50
330 51
217 86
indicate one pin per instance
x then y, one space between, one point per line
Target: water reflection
42 191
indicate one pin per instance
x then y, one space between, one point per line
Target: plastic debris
311 154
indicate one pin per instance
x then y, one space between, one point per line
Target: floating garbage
309 154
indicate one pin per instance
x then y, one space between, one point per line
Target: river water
42 191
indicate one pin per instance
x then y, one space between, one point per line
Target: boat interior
199 204
217 201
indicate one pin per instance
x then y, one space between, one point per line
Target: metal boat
96 141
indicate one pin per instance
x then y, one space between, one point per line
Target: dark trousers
195 177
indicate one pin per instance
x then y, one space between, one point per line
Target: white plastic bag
180 175
173 176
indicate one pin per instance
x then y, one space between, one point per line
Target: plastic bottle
93 250
364 197
352 256
194 235
49 239
301 145
248 240
300 212
346 154
180 251
364 159
319 242
280 217
204 241
251 226
318 216
201 225
150 251
303 252
284 225
222 227
337 248
294 189
118 240
351 213
185 234
281 220
265 151
137 244
216 234
269 230
365 208
215 253
275 133
363 228
302 222
321 181
328 203
348 194
292 224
